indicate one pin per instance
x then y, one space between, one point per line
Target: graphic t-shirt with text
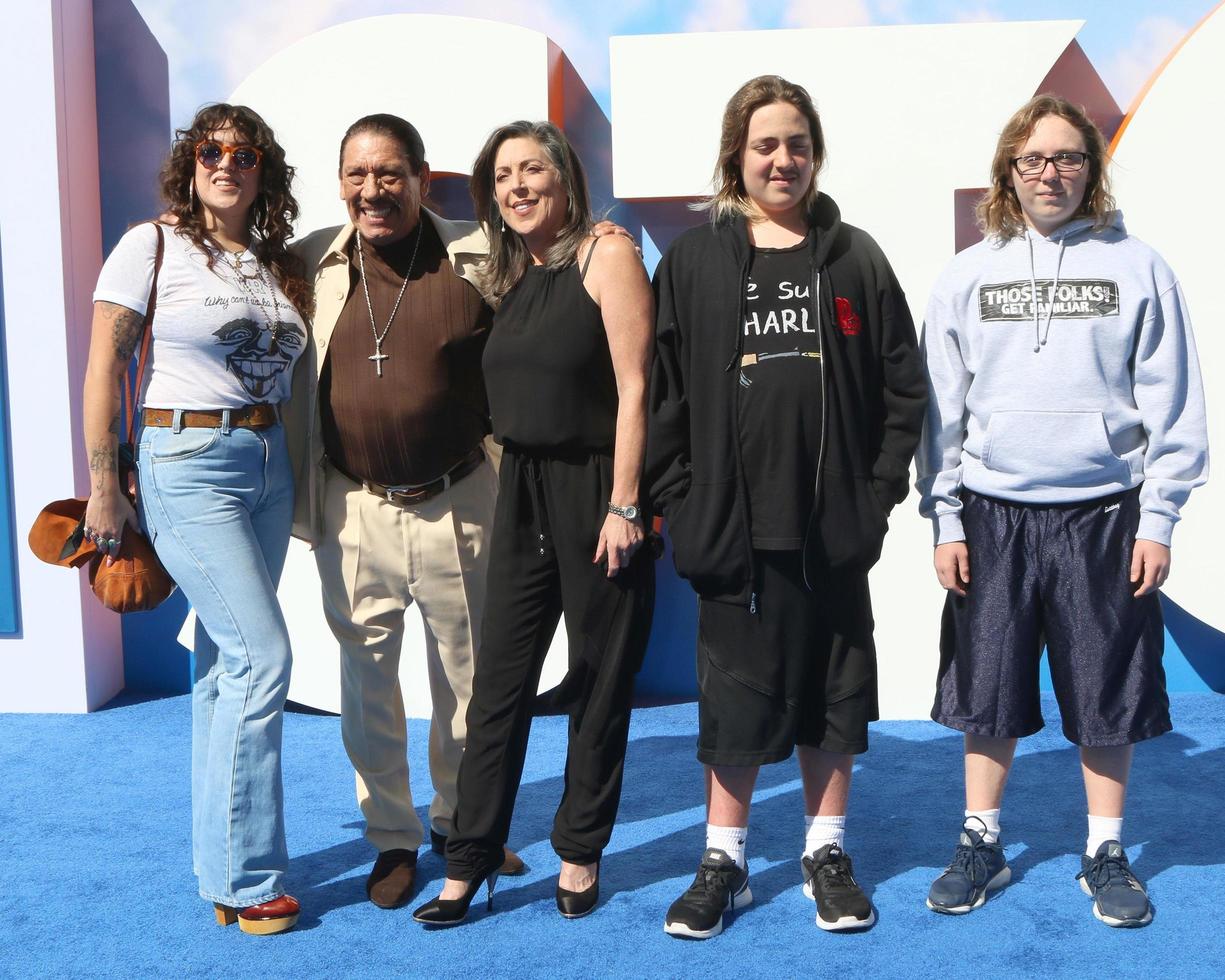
780 396
222 338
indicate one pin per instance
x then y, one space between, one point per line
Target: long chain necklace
378 356
233 260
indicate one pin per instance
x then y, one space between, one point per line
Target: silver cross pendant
378 357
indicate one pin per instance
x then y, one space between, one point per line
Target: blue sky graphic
213 48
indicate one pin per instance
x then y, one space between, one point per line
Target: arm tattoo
113 428
101 462
126 328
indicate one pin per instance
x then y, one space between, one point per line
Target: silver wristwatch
630 513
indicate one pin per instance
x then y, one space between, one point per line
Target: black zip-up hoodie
871 384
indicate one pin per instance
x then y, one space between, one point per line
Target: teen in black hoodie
787 400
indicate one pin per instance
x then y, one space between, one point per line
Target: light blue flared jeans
218 505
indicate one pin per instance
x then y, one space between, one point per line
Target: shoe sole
1110 920
847 922
739 901
995 884
267 927
576 915
440 925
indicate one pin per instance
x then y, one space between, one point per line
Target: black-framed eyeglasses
1066 162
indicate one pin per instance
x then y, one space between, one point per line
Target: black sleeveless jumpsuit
553 399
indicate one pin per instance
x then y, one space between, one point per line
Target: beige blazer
325 251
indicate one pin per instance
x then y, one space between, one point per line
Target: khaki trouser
375 559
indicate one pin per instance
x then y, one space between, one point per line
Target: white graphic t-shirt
222 338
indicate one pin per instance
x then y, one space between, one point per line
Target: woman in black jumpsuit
566 369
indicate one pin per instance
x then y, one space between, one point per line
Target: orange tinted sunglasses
210 153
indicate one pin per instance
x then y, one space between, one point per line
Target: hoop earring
192 199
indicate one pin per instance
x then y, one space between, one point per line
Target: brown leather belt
425 491
259 416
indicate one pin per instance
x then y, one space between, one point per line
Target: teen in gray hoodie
1062 437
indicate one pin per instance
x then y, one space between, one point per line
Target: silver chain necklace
378 356
233 260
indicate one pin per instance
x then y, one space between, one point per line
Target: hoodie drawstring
1041 336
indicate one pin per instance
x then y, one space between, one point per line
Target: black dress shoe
575 905
512 864
391 880
452 911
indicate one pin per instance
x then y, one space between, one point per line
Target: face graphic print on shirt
259 352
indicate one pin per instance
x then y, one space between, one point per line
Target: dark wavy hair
508 257
271 216
999 212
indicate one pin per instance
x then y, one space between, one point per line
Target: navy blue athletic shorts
800 669
1053 574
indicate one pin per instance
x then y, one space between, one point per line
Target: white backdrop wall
68 655
911 115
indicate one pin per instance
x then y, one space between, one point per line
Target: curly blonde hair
999 212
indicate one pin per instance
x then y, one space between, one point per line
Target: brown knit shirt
428 410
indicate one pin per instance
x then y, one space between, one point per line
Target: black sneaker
720 884
830 880
977 869
1118 897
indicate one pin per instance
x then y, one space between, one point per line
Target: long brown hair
271 216
508 256
729 200
999 212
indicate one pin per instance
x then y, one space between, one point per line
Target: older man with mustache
396 486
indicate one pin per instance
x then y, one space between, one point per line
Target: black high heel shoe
575 905
452 911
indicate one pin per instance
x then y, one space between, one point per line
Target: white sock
819 831
1102 829
730 840
990 819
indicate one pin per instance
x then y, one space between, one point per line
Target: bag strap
142 360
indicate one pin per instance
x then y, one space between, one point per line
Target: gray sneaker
977 869
1118 897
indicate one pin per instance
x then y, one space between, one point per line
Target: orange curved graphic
1152 79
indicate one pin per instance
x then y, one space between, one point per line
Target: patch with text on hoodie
1074 299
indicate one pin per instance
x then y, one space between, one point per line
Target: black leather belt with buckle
425 491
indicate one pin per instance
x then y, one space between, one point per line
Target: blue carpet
95 874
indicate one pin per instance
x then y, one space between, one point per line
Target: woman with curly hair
216 491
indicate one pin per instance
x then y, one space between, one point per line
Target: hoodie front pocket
1065 449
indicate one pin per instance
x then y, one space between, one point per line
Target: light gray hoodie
1094 395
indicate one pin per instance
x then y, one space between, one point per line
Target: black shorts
1053 574
800 670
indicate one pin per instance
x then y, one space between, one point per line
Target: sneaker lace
971 860
1106 868
834 872
712 880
